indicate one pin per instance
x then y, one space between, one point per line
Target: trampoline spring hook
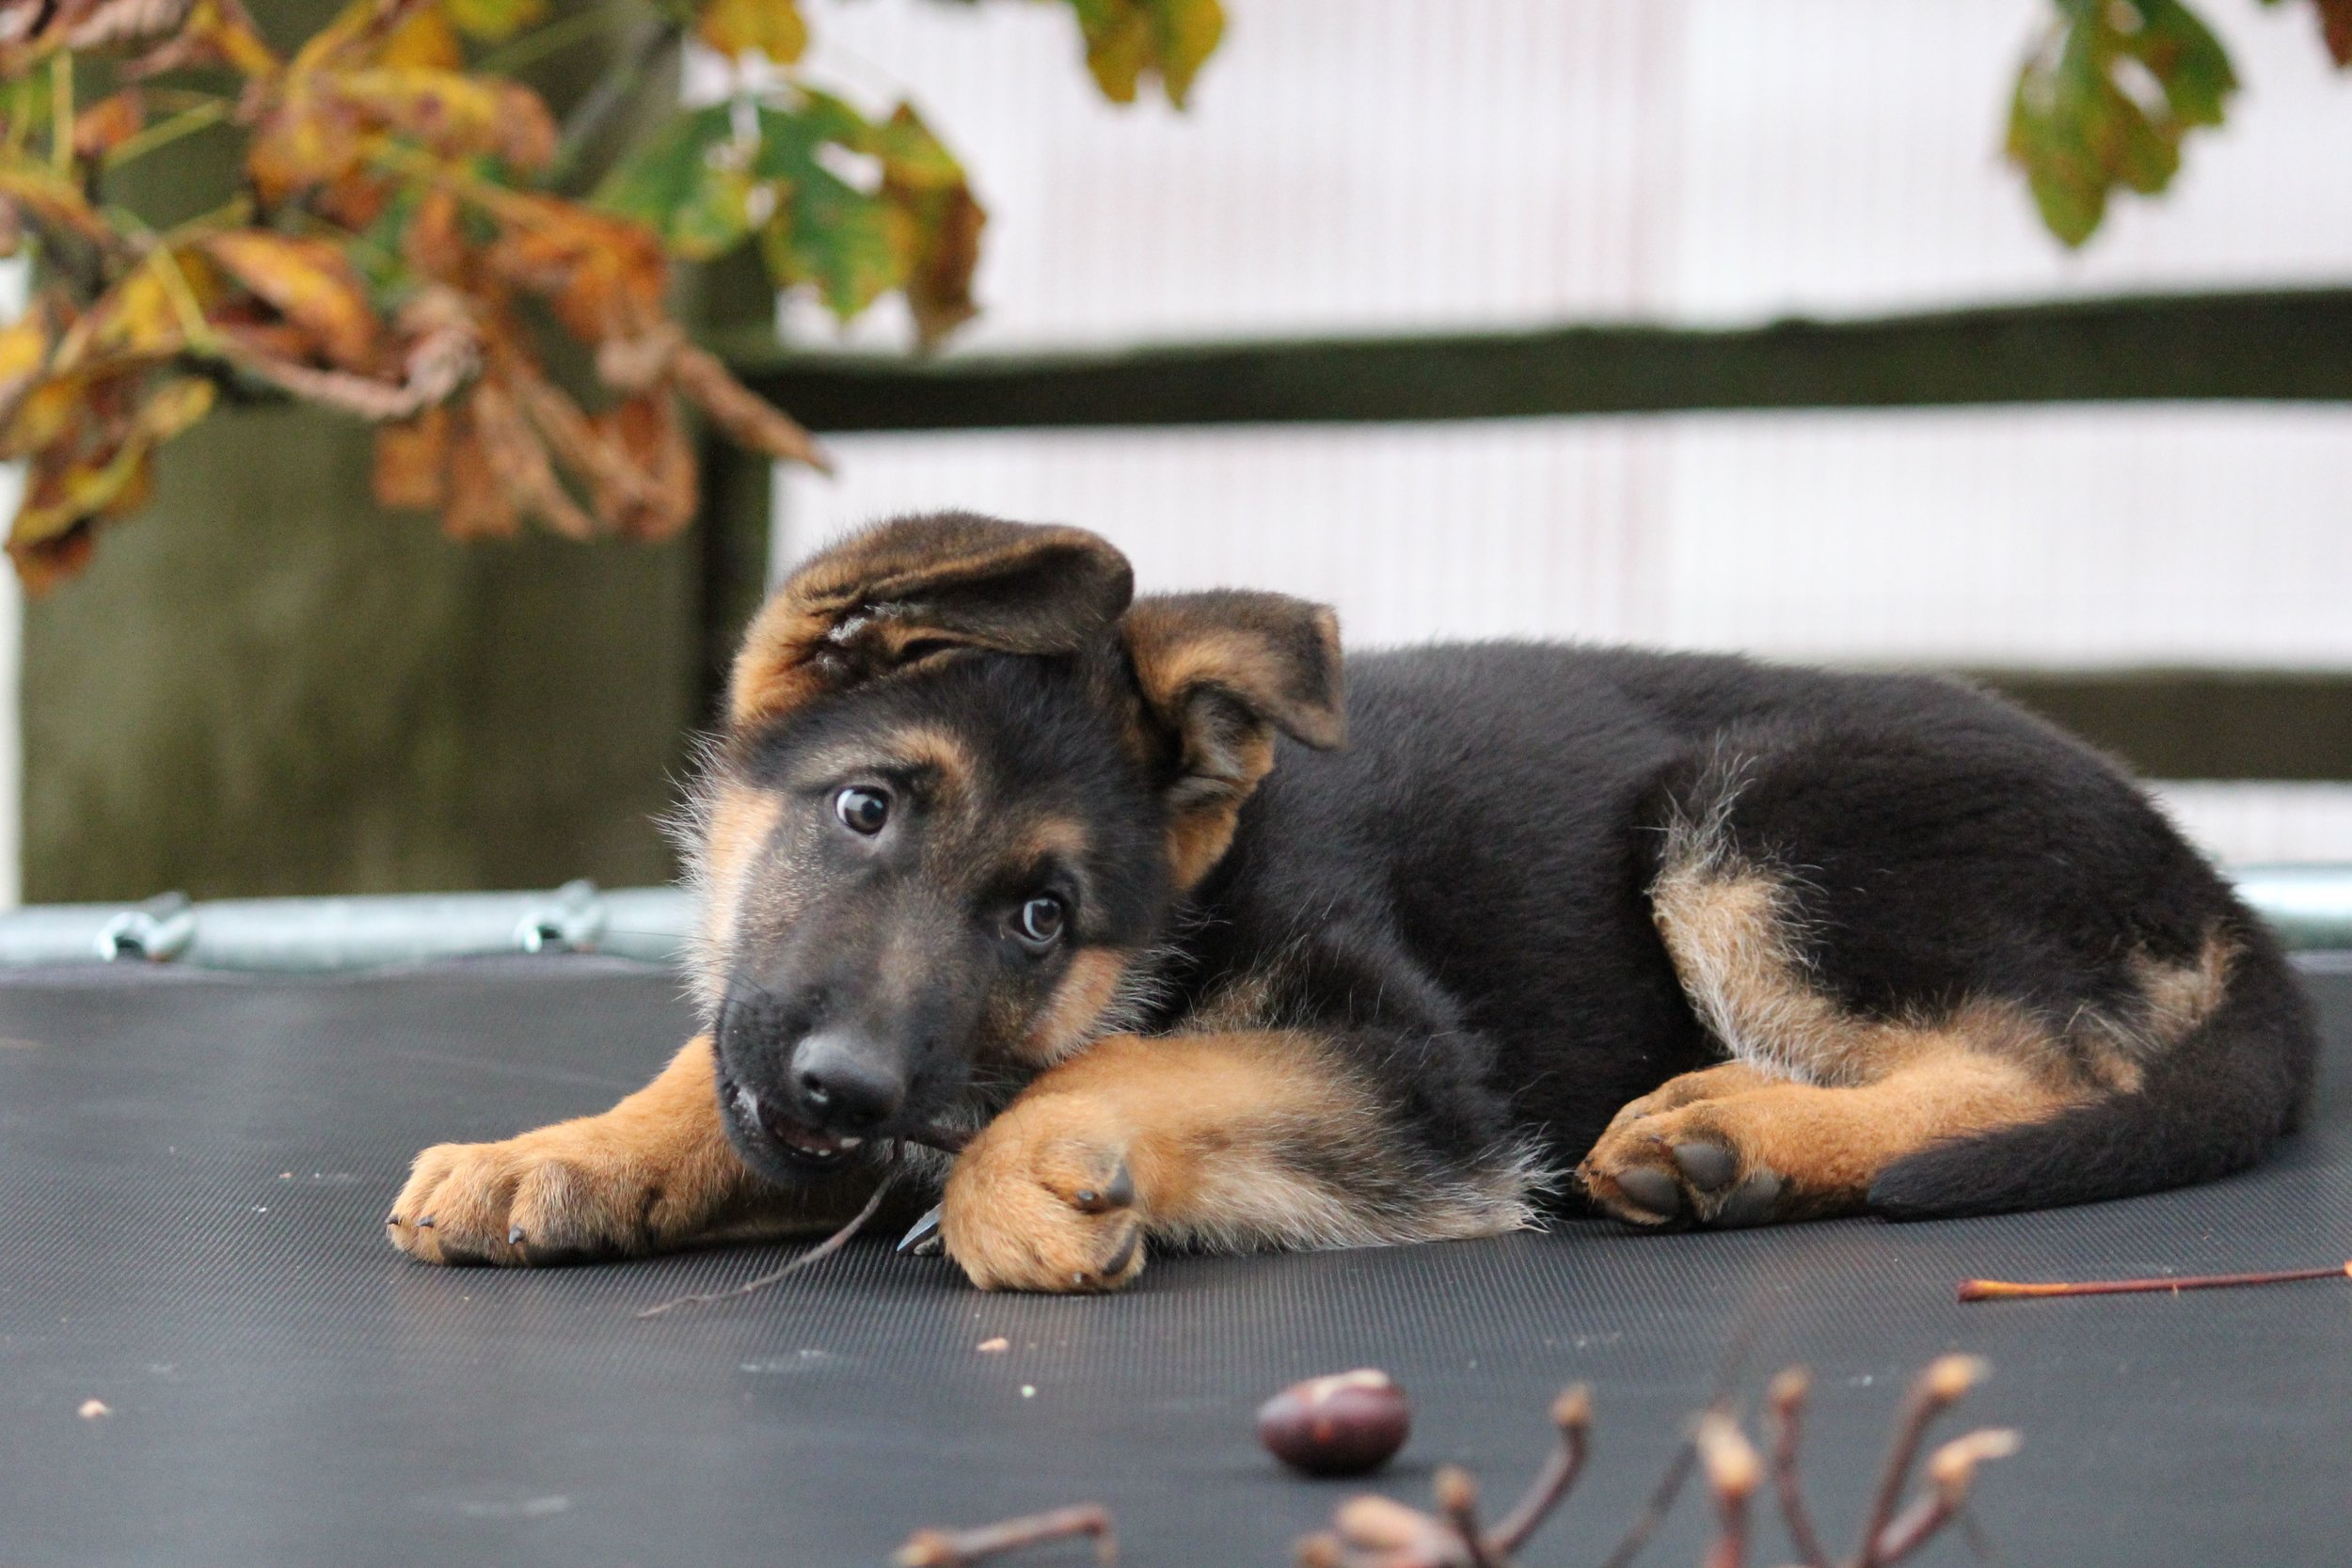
570 921
158 930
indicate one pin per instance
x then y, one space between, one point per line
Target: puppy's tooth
851 1143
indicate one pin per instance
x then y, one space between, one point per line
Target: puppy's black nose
846 1082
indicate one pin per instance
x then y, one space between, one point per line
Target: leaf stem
163 134
539 45
646 45
61 113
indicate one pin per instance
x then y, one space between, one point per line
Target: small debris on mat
990 1347
1347 1424
951 1548
1029 1391
2012 1290
92 1409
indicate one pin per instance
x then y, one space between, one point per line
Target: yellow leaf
771 27
73 483
455 114
311 282
423 38
51 200
137 318
493 19
176 406
23 350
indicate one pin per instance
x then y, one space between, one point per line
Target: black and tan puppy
988 843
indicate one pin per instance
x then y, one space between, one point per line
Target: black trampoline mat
194 1172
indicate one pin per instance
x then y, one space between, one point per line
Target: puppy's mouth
769 1124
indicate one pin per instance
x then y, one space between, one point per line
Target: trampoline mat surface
194 1172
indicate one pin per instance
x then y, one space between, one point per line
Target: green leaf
845 207
689 183
2083 121
832 230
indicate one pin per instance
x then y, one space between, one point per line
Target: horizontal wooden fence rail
2274 345
2278 345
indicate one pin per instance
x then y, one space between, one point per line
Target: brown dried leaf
520 461
603 276
411 463
741 413
434 242
651 431
479 505
109 124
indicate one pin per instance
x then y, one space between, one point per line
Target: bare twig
1938 1388
946 1548
1787 1399
2009 1290
1572 1413
1654 1512
1457 1492
817 1254
1951 1471
1732 1473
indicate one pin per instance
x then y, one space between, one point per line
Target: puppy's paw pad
1651 1191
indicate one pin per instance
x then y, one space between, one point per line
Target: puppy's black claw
922 1237
1121 1193
1709 1167
1125 1255
1652 1189
424 1221
391 1219
1754 1203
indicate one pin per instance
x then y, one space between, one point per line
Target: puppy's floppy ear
1219 673
906 588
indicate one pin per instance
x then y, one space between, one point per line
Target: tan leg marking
1743 1148
654 1172
1190 1137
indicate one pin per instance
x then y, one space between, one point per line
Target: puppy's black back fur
1467 888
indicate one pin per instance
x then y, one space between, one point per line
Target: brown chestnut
1343 1425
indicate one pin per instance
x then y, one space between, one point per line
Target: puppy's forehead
946 761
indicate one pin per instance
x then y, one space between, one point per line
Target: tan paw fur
1045 1200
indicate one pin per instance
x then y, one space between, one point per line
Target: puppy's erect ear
904 590
1219 673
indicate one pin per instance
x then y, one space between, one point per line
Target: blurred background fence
1320 333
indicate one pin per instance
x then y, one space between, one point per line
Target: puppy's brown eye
861 810
1040 921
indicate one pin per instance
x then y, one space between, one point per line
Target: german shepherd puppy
988 843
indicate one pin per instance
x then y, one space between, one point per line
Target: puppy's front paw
1043 1200
558 1194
